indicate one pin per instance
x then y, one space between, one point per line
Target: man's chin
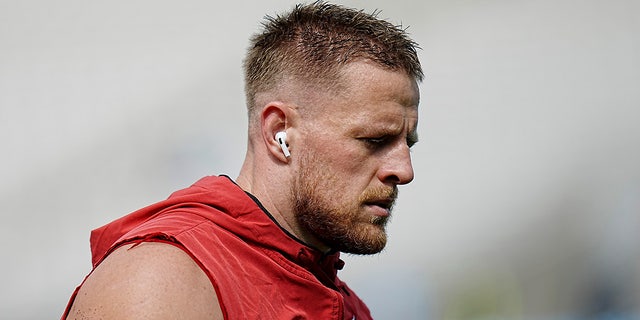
364 252
380 222
374 242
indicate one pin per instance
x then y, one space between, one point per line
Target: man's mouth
384 205
380 200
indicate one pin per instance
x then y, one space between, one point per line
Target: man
332 100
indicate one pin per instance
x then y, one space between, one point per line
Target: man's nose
397 167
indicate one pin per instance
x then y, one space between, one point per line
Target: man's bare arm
151 280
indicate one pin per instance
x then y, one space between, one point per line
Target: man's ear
277 117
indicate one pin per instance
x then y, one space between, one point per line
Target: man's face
354 153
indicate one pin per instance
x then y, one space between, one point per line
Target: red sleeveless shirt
258 269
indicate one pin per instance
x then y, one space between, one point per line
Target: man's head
343 85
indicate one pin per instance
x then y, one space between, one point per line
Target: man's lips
380 200
384 205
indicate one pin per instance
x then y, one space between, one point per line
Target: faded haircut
313 41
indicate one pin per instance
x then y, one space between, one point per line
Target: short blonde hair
311 42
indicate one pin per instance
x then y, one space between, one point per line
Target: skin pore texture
151 280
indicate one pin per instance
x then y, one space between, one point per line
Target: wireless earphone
282 141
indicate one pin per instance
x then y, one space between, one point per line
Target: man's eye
376 142
411 142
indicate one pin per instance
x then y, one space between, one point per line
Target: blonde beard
330 216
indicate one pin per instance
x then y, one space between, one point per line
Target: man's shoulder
149 280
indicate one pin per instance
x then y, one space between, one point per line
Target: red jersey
258 269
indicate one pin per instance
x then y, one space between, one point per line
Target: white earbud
282 141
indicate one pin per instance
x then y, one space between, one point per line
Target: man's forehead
365 74
391 113
392 121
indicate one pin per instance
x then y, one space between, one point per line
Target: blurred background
526 202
